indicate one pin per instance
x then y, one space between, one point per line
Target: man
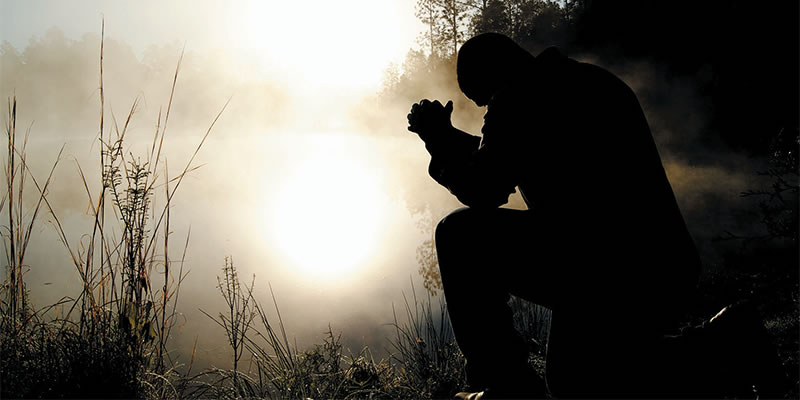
603 243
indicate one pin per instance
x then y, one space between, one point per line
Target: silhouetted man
603 243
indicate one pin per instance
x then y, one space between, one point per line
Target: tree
778 204
534 24
426 11
492 16
447 22
453 22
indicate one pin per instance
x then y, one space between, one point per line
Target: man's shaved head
486 63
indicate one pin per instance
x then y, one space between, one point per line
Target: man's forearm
477 175
450 150
451 143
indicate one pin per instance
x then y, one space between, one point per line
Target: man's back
589 169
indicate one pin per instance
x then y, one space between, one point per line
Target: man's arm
479 175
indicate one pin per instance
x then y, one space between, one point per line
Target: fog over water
263 143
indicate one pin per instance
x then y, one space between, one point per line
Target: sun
326 216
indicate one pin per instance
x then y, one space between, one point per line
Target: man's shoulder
547 78
554 61
586 77
552 54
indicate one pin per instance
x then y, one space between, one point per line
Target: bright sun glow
327 215
325 44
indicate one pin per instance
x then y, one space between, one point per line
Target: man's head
487 62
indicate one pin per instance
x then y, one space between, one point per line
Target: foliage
779 203
763 269
447 23
426 257
109 341
531 23
534 24
48 360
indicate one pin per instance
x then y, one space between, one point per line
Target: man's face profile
486 63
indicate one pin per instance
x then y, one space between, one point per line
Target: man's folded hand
430 118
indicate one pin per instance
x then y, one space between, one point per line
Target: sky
311 46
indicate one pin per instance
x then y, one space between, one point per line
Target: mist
224 203
251 151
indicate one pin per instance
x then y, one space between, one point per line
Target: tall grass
277 368
111 339
425 348
17 234
425 361
532 321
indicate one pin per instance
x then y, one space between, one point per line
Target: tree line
743 55
448 23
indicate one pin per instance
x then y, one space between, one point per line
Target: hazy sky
316 44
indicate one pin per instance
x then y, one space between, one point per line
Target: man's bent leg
481 257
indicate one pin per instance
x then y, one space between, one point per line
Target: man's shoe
489 394
470 395
507 382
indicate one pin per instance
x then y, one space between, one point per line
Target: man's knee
457 238
458 231
453 227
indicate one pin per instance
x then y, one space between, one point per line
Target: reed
111 339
